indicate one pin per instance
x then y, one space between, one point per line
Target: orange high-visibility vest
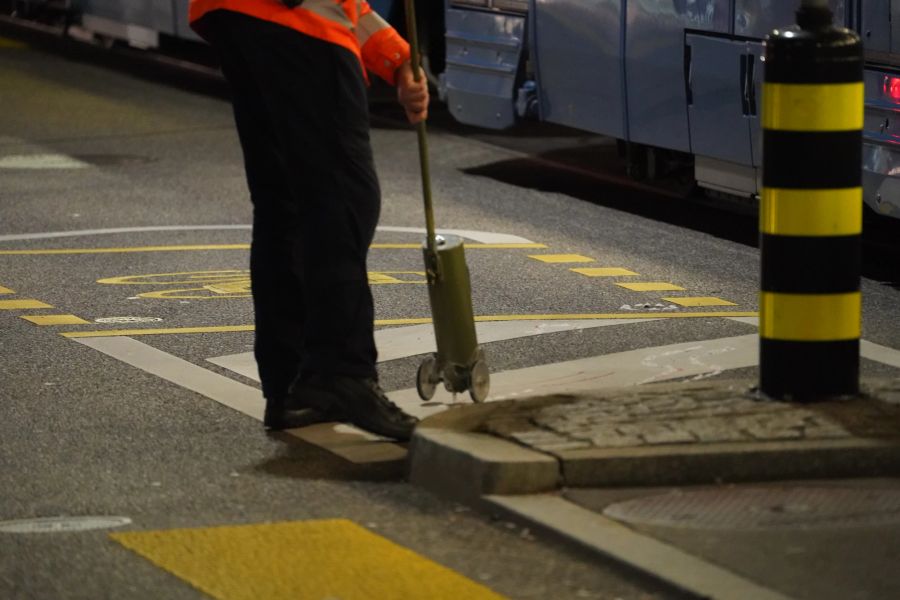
348 23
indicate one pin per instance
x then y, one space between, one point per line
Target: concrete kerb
516 447
449 455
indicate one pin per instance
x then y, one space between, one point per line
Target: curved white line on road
484 237
90 232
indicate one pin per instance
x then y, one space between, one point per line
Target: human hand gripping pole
422 132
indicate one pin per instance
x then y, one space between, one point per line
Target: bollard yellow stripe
813 107
810 317
811 212
299 560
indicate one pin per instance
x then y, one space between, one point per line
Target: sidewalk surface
704 485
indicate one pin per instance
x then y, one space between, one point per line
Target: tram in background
682 76
668 78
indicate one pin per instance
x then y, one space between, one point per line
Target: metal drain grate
763 508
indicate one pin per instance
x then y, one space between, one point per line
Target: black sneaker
294 411
364 403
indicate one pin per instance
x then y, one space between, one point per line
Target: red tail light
892 88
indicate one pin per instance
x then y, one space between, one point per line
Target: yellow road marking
55 319
180 278
4 290
561 258
700 301
651 286
22 304
387 277
219 285
604 272
191 248
12 44
422 321
167 331
290 560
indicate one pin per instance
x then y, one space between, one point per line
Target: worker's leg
315 95
276 285
315 100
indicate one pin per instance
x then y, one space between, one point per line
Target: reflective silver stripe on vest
369 24
330 10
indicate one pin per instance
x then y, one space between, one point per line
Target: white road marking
868 350
233 394
483 237
41 161
402 342
15 237
882 354
691 359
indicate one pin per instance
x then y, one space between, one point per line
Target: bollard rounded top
821 55
815 17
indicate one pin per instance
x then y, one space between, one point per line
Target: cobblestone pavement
718 412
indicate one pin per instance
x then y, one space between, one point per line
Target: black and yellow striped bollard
811 212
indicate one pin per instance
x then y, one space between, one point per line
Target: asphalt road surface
126 322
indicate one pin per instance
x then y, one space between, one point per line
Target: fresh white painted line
114 230
242 364
484 237
402 342
641 552
868 350
41 161
233 394
692 359
882 354
345 441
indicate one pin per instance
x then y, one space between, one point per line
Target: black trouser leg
300 107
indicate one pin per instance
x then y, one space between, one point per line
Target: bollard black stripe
808 370
829 56
805 69
810 265
812 160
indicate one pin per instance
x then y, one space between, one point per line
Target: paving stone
615 440
715 429
765 428
660 433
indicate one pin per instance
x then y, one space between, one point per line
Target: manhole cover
61 524
128 320
763 508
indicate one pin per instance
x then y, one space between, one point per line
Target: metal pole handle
423 139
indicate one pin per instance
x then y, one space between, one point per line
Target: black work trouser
301 111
